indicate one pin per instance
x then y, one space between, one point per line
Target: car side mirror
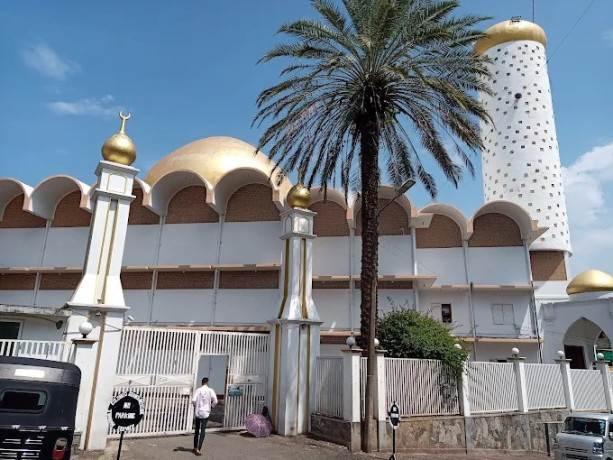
611 436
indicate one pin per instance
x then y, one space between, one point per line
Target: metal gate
160 364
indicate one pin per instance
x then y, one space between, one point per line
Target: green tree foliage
406 333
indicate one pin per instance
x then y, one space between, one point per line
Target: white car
586 436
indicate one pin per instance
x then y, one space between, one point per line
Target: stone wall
337 431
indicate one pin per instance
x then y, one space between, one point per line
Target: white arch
453 213
10 189
386 192
156 198
239 177
48 193
528 227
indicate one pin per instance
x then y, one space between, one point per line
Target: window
23 400
9 330
441 312
502 313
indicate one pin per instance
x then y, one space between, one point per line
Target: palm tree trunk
369 162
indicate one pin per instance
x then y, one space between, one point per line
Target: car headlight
598 447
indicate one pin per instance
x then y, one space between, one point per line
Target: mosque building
201 242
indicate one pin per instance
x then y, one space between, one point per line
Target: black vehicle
38 405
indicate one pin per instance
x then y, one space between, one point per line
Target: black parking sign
125 411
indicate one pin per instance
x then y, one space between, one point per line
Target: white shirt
204 400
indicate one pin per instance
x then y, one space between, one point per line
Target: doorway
215 367
576 355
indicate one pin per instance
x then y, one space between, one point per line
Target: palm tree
389 77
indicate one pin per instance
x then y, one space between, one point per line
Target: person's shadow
182 449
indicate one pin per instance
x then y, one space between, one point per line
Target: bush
406 333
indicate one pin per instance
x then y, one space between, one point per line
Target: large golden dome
590 281
212 158
510 31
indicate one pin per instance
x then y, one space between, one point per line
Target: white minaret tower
521 161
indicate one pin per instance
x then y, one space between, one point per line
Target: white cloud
42 58
98 107
608 36
588 181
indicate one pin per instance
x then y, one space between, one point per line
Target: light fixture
599 356
85 328
561 355
350 341
515 352
376 342
458 346
404 188
59 324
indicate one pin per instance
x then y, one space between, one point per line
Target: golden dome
590 281
509 31
212 158
119 148
298 196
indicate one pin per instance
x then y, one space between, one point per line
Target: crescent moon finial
124 118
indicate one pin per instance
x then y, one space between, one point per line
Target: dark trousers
200 432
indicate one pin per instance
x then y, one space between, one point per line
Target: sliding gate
161 365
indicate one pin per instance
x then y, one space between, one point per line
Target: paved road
218 446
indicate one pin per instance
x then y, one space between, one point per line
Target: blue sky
187 70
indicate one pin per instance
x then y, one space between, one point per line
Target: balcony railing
40 349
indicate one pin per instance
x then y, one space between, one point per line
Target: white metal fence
329 386
421 387
588 388
160 364
492 387
544 386
40 349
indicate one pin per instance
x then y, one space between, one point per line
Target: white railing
421 387
545 388
588 388
492 387
363 374
40 349
329 386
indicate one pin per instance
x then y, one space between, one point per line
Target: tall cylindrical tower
521 161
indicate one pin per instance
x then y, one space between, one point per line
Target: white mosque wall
550 291
139 302
518 325
20 297
65 247
248 242
460 312
53 298
506 266
141 245
395 255
333 306
500 351
446 263
21 247
332 350
246 306
189 244
182 306
388 298
331 256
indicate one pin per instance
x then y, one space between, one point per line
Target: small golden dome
510 31
119 148
299 196
590 281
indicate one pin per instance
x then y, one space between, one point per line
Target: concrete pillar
83 354
352 411
295 332
463 390
603 367
99 297
380 399
520 381
567 383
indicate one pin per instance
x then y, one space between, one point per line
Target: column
380 400
603 367
520 381
99 296
296 329
567 382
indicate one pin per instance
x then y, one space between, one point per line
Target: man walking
204 400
